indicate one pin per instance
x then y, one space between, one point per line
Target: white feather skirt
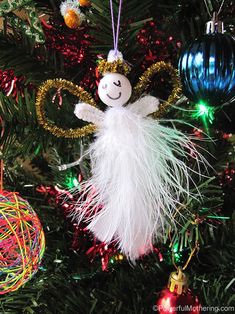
138 176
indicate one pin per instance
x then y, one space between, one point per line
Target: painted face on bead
114 89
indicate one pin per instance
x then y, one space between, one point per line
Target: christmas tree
50 40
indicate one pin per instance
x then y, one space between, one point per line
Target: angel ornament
138 174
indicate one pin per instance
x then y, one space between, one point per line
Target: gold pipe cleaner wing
75 90
145 80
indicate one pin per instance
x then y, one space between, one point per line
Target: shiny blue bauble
207 69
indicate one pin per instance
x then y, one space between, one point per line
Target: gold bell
178 282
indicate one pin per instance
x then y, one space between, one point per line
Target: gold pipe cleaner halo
117 66
145 80
75 90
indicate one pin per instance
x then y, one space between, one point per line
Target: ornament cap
178 282
214 26
115 56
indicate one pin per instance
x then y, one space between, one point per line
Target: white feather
69 4
138 177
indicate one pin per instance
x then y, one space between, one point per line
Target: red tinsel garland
12 85
83 240
155 45
71 45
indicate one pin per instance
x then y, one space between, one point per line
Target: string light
204 111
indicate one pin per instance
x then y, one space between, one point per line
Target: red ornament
177 298
173 303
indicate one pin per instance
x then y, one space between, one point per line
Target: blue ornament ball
207 69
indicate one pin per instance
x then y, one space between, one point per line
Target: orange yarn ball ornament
72 19
84 3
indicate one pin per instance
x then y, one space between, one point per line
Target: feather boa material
69 5
138 176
